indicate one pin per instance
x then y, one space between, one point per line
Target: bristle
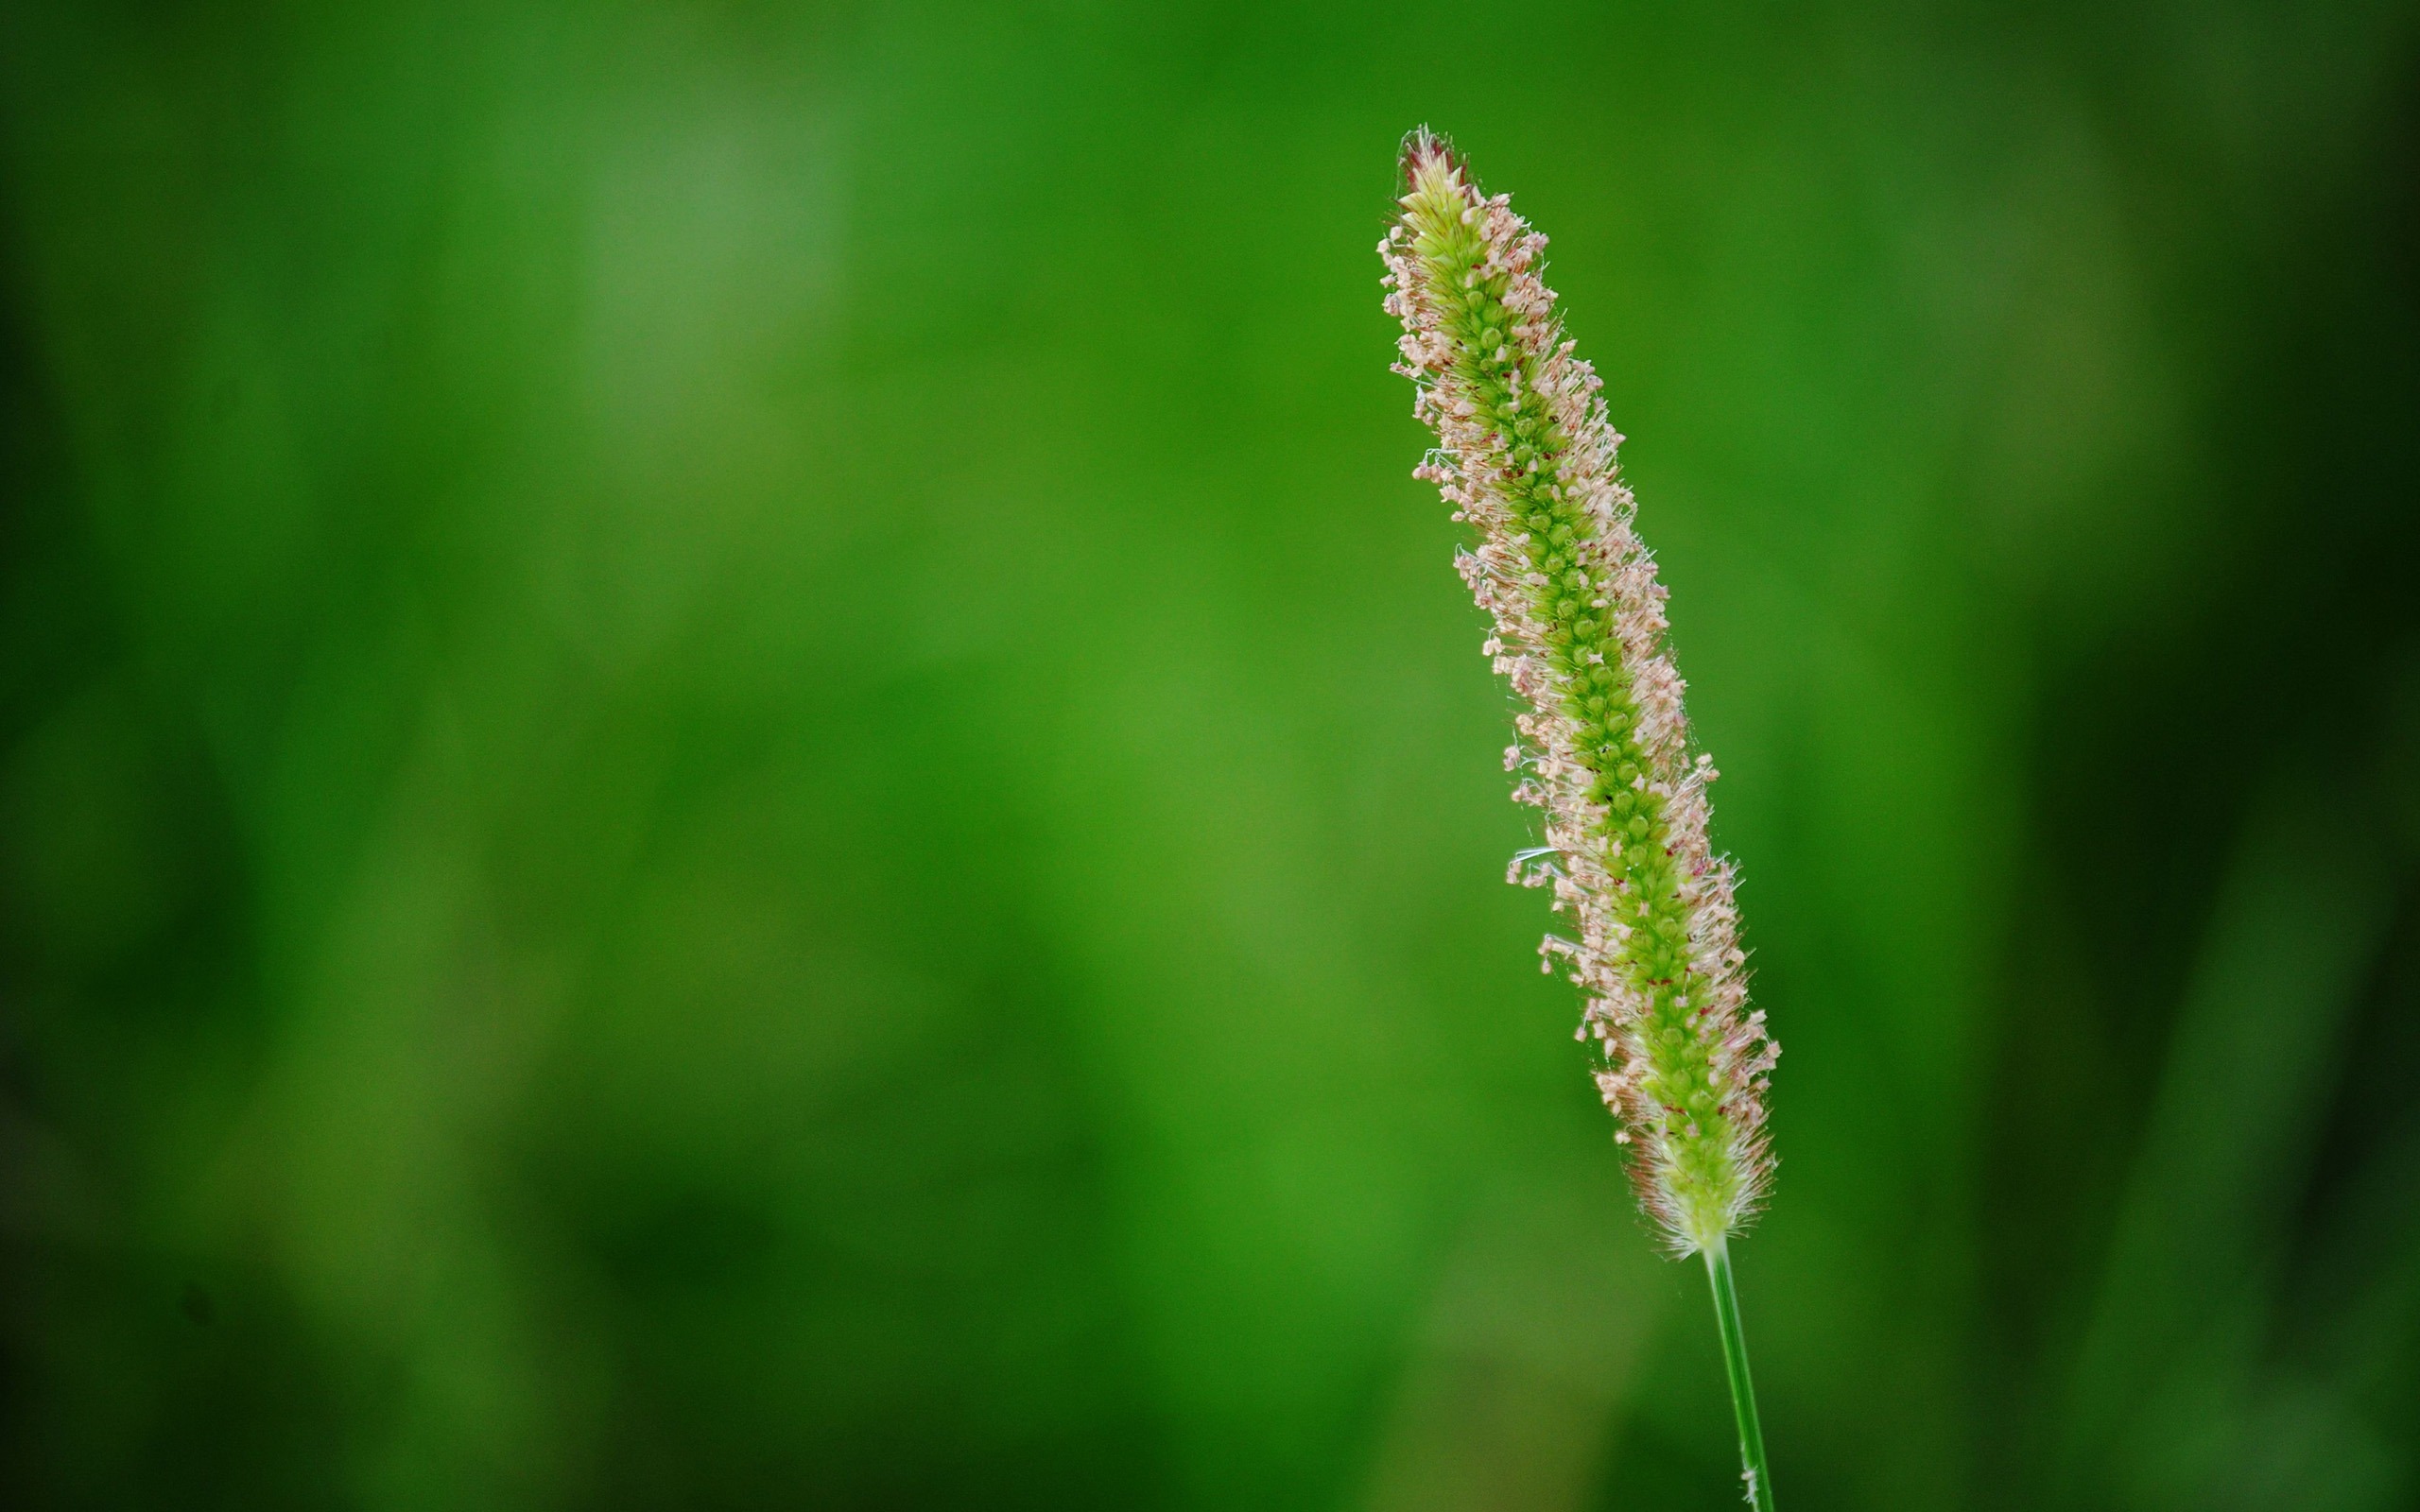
1527 457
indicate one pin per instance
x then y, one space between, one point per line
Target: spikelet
1527 458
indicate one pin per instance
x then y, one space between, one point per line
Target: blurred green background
734 771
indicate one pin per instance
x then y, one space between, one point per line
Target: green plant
1527 457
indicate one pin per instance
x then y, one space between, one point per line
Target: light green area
737 773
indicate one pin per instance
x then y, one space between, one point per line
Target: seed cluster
1527 457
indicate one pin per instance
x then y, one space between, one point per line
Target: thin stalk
1744 1391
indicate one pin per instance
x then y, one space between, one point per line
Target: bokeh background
736 773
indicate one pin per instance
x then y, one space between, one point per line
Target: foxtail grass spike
1526 458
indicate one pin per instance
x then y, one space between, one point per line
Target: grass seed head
1526 456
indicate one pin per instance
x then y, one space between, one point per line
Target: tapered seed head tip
1427 156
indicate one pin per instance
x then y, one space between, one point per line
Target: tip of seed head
1423 149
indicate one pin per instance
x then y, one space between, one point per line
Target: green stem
1744 1391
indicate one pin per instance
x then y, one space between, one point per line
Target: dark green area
734 771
